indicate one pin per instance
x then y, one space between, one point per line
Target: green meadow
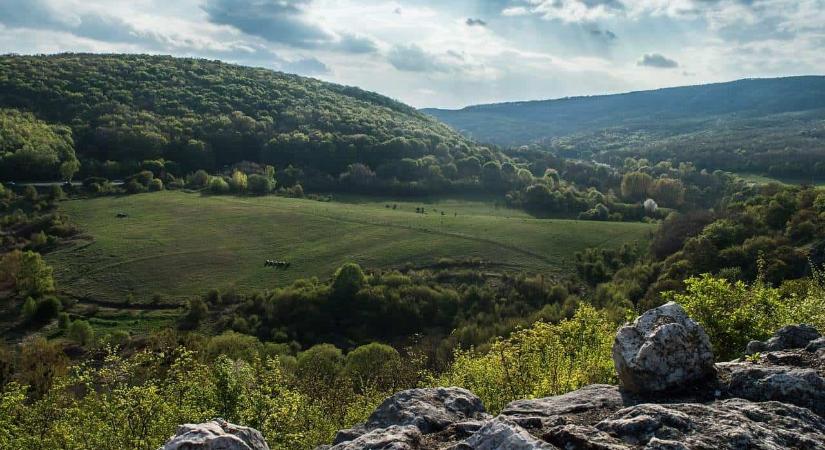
177 244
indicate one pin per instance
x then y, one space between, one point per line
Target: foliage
543 360
34 149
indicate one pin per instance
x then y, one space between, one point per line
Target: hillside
204 114
752 124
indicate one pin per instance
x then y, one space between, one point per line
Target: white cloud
423 51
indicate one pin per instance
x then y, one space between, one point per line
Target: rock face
792 336
501 433
662 350
427 410
391 438
216 435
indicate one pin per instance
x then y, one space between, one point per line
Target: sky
448 53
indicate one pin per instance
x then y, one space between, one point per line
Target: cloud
604 35
475 22
658 61
569 10
412 58
306 66
284 22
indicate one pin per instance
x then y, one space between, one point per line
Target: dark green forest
200 114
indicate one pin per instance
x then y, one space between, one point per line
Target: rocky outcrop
771 400
216 435
662 350
428 410
789 337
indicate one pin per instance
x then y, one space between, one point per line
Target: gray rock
391 438
789 337
662 350
502 434
430 410
816 345
727 424
598 400
799 386
217 434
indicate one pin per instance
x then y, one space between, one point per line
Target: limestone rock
430 410
598 400
502 434
391 438
799 386
662 350
816 345
217 434
789 337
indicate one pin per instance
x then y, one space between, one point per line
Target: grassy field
765 179
177 244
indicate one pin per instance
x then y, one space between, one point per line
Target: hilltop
744 125
201 114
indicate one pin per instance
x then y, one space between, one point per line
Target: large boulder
789 337
430 410
662 350
217 434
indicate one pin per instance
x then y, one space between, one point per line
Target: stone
217 434
502 434
596 400
430 410
662 350
732 424
815 345
391 438
787 338
798 386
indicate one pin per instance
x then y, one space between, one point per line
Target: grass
177 244
766 179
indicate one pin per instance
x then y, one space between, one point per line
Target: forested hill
662 110
200 114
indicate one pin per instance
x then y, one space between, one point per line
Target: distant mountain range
663 112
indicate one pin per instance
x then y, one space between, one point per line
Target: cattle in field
277 264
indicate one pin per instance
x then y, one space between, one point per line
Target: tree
47 309
239 181
320 366
195 313
260 184
199 179
668 192
348 280
34 276
68 169
635 185
374 365
218 185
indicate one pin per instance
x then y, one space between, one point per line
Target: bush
733 314
259 184
348 279
374 366
81 332
199 179
63 321
47 309
156 185
539 361
218 185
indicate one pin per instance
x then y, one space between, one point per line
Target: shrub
348 279
63 321
374 365
199 179
218 185
47 309
733 314
156 185
539 361
81 332
260 184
